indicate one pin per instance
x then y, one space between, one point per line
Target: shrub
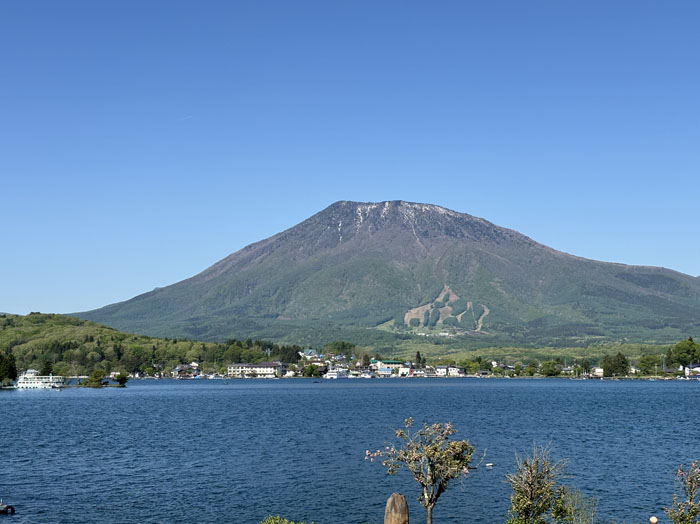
539 498
278 520
686 511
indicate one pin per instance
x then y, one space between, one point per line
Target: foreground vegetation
538 495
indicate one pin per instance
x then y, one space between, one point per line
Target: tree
686 511
586 365
615 366
122 378
434 317
470 367
579 509
312 371
95 380
536 494
8 368
431 458
684 353
549 368
46 369
649 364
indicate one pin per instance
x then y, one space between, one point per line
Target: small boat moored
6 509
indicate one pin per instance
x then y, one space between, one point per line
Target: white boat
336 373
31 379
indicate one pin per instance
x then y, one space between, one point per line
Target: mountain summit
412 269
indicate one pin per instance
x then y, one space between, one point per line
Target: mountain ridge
358 265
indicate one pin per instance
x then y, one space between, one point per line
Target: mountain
410 269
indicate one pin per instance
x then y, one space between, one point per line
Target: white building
405 371
455 371
449 371
261 370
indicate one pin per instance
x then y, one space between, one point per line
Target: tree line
74 347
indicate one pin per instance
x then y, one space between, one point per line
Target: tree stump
396 511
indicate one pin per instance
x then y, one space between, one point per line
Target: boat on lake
31 379
336 373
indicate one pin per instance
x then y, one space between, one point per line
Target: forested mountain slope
413 268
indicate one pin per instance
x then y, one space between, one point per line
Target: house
597 372
455 371
384 371
406 370
322 365
385 368
449 371
261 370
184 371
309 354
691 369
429 371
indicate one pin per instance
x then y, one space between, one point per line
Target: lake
212 451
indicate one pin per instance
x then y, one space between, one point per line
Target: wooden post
396 511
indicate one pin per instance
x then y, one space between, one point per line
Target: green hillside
77 347
379 273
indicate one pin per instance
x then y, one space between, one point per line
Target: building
449 371
185 371
309 354
455 371
406 370
260 370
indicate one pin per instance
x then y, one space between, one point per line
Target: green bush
278 520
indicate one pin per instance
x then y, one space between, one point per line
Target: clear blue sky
142 141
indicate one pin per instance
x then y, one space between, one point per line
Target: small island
98 379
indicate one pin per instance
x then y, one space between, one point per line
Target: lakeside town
342 360
340 366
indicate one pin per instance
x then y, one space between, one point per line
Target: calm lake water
215 452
